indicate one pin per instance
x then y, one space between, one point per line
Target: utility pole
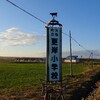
70 53
92 59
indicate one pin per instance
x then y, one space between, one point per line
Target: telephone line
26 11
44 23
77 42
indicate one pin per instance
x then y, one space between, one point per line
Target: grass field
20 76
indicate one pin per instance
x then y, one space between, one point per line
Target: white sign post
54 48
54 51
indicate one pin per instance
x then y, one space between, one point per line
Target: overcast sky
23 35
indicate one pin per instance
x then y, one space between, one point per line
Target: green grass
76 68
20 75
17 75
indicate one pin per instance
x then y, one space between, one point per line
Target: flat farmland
13 75
22 79
17 75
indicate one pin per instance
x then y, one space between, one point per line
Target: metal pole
70 53
92 59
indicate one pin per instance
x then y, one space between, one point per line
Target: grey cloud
15 37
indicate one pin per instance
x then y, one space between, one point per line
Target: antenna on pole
53 15
53 21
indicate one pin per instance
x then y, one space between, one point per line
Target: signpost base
52 90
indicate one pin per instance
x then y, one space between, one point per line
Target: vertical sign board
54 53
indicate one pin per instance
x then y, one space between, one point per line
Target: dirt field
82 85
95 94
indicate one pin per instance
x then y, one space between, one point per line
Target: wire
46 23
77 43
26 11
65 34
80 45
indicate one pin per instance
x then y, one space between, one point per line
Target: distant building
74 59
29 60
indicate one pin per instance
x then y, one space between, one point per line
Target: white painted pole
70 53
